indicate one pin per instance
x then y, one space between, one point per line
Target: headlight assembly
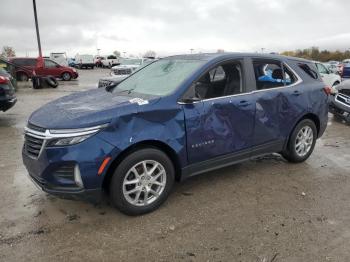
67 137
67 141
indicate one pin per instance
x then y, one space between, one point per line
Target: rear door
222 122
277 100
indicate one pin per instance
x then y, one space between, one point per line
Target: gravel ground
261 210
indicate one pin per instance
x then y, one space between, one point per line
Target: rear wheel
66 76
301 142
142 181
22 77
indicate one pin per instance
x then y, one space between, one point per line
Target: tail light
327 90
4 80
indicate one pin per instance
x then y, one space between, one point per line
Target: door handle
296 93
244 103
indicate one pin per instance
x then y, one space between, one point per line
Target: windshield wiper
127 90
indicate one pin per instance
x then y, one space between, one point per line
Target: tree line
314 53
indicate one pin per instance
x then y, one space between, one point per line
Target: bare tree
116 53
8 51
150 53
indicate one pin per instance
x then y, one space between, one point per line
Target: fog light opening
77 177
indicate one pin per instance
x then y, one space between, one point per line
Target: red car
50 68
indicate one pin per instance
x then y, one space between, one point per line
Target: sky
174 26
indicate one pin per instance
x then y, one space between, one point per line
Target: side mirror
58 66
109 88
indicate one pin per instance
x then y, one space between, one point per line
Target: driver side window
223 80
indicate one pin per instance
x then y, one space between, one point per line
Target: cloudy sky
174 26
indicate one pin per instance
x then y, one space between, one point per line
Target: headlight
67 137
67 141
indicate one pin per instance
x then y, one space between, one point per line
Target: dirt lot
262 210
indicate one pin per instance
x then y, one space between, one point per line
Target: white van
59 58
84 61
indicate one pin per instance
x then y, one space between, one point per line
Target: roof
211 56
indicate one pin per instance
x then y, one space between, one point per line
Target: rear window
24 61
309 71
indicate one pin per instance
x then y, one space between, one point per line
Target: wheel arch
310 116
21 72
66 71
137 146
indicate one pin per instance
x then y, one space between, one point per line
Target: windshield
159 78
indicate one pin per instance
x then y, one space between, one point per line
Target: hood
84 109
343 85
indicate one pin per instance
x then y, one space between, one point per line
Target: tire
298 154
51 81
22 77
125 173
66 76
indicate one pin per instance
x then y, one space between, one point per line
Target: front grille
66 171
343 99
32 145
64 176
345 92
104 83
125 71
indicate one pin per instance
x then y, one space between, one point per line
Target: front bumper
339 109
88 195
75 75
54 170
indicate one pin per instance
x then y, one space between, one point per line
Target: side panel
153 124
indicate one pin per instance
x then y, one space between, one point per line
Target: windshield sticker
139 101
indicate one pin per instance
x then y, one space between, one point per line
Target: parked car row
126 67
27 67
7 91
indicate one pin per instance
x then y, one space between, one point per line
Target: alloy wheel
303 141
144 183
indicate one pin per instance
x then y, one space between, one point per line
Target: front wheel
142 181
66 76
301 142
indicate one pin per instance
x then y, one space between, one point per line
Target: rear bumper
7 103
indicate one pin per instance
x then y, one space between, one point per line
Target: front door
222 122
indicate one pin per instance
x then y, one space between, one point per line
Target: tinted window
309 71
25 61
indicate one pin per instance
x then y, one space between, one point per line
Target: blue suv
175 118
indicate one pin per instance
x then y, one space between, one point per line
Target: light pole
37 29
191 50
98 51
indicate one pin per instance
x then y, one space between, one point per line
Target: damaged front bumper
340 106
